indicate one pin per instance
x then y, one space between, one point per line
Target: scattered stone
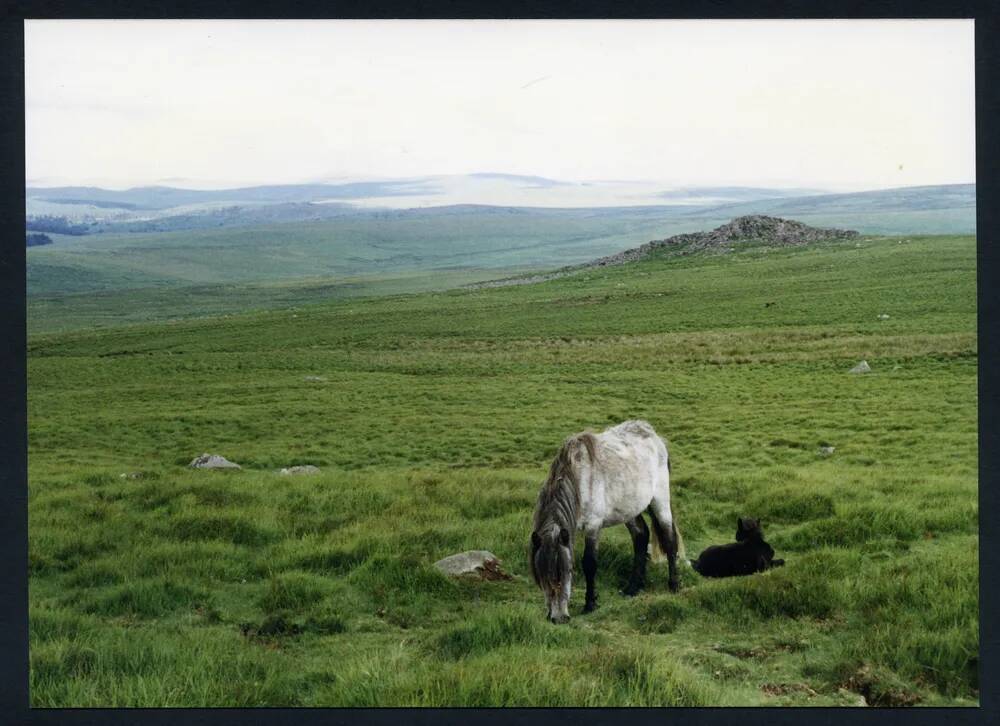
314 378
784 689
877 692
474 562
883 316
862 367
827 450
854 699
303 469
212 461
132 475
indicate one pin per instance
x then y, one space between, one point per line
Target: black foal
749 554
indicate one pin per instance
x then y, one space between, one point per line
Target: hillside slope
293 251
433 418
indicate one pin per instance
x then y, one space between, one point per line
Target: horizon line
669 186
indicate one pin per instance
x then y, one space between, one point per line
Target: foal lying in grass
749 554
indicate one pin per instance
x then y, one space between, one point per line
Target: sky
839 105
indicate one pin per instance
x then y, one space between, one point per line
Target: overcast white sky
832 104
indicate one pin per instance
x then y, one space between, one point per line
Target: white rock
883 316
862 367
212 461
303 469
827 450
466 563
854 699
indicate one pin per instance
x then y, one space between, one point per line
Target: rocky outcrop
772 231
753 228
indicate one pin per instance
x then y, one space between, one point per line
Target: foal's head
748 529
552 567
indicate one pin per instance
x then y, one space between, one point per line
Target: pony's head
554 523
552 568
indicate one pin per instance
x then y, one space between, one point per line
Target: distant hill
735 194
486 188
35 239
159 197
229 216
944 209
947 196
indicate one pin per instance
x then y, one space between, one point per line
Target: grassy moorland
383 243
244 258
433 418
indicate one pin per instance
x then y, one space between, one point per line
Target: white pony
596 481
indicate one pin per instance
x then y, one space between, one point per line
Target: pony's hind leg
640 543
590 570
666 536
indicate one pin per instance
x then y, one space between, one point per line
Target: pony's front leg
590 570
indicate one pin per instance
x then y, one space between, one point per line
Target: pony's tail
660 543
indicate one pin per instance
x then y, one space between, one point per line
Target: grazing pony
596 481
749 554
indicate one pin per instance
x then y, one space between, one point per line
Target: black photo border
14 706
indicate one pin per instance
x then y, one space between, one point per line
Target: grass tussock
496 630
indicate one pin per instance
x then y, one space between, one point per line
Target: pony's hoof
674 586
590 607
632 590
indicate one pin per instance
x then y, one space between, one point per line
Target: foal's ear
536 540
740 525
564 536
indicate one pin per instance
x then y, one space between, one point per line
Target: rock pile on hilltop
751 228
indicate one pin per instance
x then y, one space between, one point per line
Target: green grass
391 244
433 418
114 279
61 312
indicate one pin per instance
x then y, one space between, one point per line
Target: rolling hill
283 249
478 188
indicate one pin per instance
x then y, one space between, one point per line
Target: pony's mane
559 500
